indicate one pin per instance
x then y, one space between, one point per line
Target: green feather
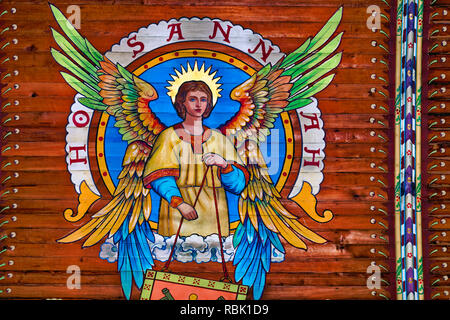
73 53
240 231
295 55
72 67
121 124
316 73
129 135
73 35
93 104
295 104
315 59
264 71
81 87
94 52
131 93
320 38
328 29
316 87
125 73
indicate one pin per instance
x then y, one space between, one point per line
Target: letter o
80 118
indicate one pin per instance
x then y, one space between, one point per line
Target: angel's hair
180 98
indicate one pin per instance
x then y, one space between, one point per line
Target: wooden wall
436 136
36 186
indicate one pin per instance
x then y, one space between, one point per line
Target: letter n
265 54
226 35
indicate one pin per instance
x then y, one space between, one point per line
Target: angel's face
196 103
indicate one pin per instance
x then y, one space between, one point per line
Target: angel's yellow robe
178 154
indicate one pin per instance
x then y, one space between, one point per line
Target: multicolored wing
106 86
111 88
289 84
131 202
125 218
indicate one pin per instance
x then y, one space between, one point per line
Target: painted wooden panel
331 122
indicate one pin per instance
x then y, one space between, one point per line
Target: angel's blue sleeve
166 187
234 181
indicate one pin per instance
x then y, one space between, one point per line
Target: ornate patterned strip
407 158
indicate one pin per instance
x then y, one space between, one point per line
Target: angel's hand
213 159
187 211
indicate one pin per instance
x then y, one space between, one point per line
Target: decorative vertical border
8 106
419 59
398 63
408 221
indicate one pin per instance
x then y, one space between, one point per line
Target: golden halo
194 74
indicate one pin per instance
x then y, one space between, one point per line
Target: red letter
77 158
80 119
226 35
134 44
175 28
313 162
314 122
265 54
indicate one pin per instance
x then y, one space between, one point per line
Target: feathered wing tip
105 86
263 219
125 218
253 255
134 254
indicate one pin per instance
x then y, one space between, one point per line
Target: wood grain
357 124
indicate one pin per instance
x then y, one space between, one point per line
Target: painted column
409 271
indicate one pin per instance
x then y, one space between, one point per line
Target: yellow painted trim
289 157
100 153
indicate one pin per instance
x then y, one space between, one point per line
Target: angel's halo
195 74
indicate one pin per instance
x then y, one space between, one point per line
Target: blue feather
241 248
134 254
116 237
262 232
148 232
240 251
240 231
124 227
265 256
243 264
275 241
125 276
255 262
260 281
250 230
253 255
120 255
143 249
135 260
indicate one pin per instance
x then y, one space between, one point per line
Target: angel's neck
193 125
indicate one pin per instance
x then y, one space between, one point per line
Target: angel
173 160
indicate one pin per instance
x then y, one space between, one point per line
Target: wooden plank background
436 134
36 186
